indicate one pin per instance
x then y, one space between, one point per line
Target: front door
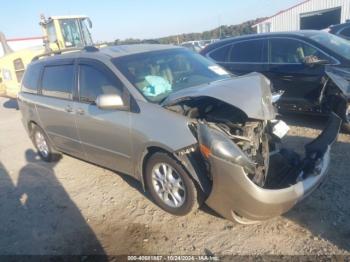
104 134
301 83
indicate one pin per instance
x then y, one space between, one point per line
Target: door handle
69 109
80 111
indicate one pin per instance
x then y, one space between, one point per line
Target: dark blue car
312 68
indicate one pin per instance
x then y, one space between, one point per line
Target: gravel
73 207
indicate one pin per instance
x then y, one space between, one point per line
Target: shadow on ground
38 217
11 104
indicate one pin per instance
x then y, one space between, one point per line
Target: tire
187 196
346 127
43 146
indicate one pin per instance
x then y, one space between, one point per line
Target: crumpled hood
341 77
250 93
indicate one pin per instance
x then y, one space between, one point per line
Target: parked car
193 45
312 68
175 121
341 30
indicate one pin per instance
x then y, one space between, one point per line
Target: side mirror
110 102
314 60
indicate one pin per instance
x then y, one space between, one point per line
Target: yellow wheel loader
60 33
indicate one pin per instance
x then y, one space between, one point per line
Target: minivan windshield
333 42
157 74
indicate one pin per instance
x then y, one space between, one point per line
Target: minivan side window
58 81
291 51
94 82
31 79
251 51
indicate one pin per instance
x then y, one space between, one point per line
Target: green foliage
223 31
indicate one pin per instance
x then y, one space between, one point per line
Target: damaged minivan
185 128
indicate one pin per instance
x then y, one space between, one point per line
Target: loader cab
64 32
60 32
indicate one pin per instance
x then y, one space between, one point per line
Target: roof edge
281 12
24 38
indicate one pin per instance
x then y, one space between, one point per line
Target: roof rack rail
59 52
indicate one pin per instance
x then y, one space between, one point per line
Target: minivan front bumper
236 197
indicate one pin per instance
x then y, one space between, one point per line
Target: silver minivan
185 128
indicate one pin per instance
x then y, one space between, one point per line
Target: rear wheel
42 145
170 186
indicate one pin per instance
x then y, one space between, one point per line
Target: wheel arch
30 126
196 173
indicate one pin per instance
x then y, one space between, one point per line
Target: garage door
320 19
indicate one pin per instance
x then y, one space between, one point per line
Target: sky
120 19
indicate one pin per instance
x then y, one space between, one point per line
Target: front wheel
170 186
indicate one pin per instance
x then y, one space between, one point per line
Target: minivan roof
110 51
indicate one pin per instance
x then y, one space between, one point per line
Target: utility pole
219 22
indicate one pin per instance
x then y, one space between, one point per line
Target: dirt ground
73 207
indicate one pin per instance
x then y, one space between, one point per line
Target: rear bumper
236 197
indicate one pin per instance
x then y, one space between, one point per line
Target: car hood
341 77
250 93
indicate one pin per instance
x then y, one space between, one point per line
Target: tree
226 31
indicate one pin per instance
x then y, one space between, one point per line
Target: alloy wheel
41 144
168 185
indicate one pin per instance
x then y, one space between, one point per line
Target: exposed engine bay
253 137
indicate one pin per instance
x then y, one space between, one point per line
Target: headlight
213 142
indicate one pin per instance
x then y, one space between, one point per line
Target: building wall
290 19
18 44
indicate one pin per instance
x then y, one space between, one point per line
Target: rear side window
58 81
248 52
220 54
31 79
94 82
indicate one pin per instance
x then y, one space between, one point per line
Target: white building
21 43
309 14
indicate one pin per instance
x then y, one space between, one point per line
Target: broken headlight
216 143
